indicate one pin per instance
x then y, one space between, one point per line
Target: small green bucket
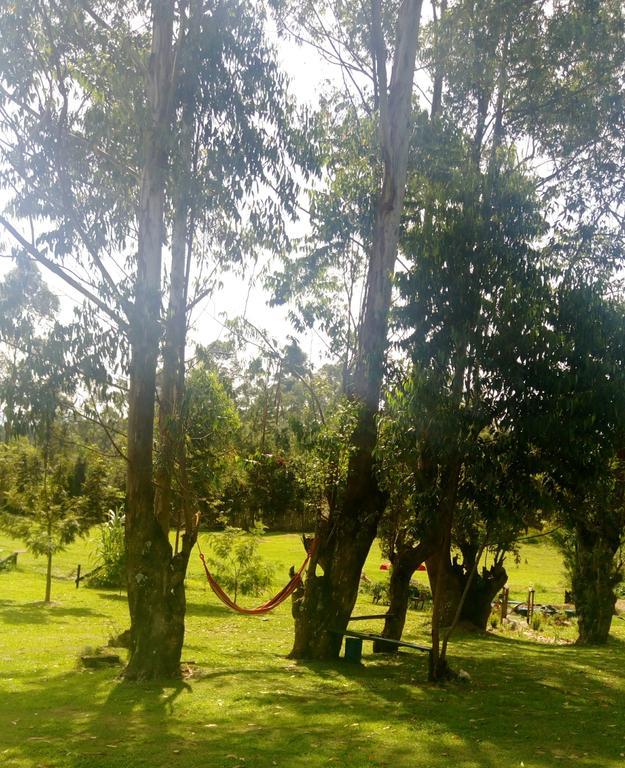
353 649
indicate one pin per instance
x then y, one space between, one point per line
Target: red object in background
385 566
422 567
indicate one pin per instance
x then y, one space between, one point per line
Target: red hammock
273 602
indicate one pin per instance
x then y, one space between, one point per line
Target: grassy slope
529 704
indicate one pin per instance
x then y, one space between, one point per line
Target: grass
529 704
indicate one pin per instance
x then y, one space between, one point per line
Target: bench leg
353 649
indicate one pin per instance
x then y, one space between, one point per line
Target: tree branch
63 274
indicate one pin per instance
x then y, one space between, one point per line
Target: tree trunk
482 590
155 580
405 562
399 594
485 586
593 579
170 412
329 597
346 537
439 669
49 578
442 577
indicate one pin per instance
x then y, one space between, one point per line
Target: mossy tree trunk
346 537
405 562
155 579
594 576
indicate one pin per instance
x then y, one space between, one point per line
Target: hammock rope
273 602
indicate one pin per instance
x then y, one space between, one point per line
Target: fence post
505 592
78 576
530 605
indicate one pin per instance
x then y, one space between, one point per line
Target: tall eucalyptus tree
131 132
363 39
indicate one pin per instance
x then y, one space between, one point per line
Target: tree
36 505
284 407
133 125
237 563
26 307
346 535
211 429
475 292
583 405
482 67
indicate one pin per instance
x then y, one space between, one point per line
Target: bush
377 590
111 568
420 593
236 563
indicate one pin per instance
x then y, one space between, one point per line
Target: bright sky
240 296
245 297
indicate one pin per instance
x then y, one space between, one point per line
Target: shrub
379 591
237 564
111 568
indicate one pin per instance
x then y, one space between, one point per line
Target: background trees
584 394
128 126
145 149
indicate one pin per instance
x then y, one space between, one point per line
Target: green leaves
237 564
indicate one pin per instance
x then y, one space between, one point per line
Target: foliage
36 506
212 428
584 404
378 591
285 445
473 304
322 282
27 309
236 562
110 569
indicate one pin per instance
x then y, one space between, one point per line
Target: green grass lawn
529 704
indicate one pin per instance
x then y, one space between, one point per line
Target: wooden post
78 576
353 649
505 593
530 605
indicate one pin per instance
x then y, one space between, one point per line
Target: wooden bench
354 641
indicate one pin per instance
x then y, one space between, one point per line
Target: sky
245 297
239 296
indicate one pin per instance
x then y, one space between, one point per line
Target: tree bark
439 669
48 597
155 580
593 579
484 586
443 579
172 380
483 589
405 562
346 537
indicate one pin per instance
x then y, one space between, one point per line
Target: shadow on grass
13 612
614 642
527 703
207 609
86 719
119 597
